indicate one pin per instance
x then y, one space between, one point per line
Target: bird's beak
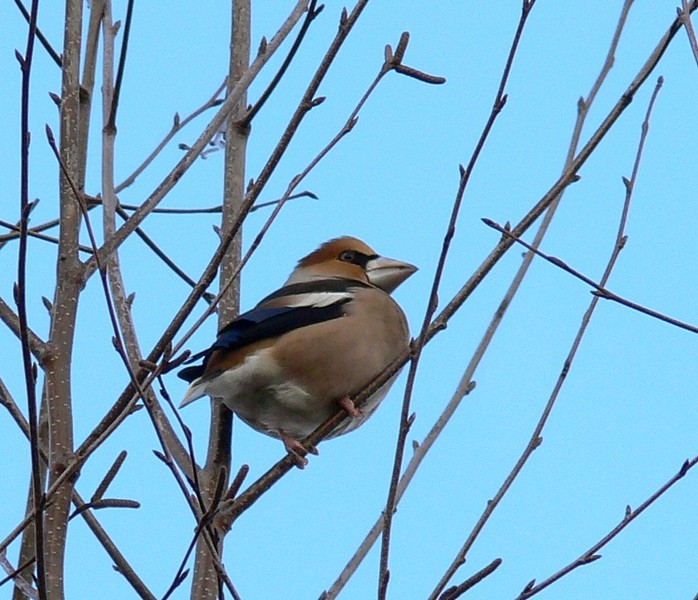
388 273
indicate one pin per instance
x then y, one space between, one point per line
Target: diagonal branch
535 438
600 291
685 15
591 554
36 345
42 38
405 417
192 153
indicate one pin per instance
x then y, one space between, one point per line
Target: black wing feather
264 323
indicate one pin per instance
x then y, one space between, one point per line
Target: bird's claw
347 404
296 450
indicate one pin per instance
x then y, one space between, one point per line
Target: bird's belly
259 394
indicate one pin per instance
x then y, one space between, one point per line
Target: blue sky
625 420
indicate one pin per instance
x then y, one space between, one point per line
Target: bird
305 350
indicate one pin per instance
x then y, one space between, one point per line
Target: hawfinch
288 364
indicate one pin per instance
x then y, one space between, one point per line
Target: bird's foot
296 449
347 404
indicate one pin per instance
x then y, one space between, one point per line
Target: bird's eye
348 256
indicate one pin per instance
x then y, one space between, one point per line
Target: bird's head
350 258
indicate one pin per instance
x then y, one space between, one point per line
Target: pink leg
347 404
296 449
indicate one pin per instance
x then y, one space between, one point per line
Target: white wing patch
317 299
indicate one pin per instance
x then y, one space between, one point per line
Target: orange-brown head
349 258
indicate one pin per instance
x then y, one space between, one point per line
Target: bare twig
591 554
458 590
20 291
536 439
190 156
310 16
111 121
35 234
177 125
42 38
216 209
87 87
685 15
36 345
405 418
148 241
599 290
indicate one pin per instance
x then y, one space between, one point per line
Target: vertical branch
218 458
87 87
236 136
117 287
20 298
68 285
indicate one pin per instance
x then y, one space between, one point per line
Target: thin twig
309 18
20 292
685 15
35 234
37 346
591 554
217 209
177 125
191 155
599 290
148 241
535 440
458 590
42 38
405 418
111 121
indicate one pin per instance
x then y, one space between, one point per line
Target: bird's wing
292 307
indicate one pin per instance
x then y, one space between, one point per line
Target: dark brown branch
20 292
253 110
42 38
111 122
